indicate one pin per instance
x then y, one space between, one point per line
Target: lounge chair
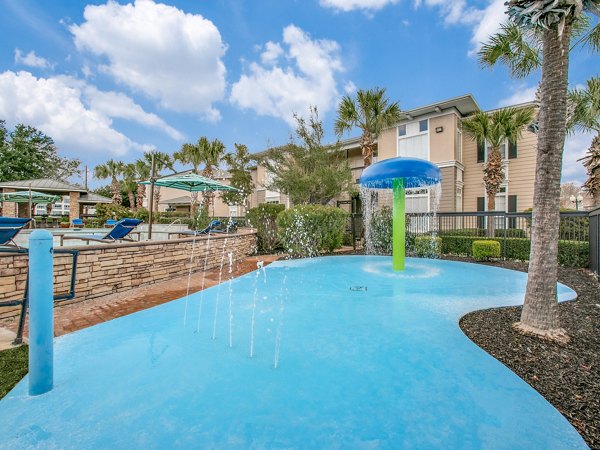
110 223
120 232
9 228
77 223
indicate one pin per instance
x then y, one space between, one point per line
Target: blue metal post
41 319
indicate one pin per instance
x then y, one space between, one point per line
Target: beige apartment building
433 132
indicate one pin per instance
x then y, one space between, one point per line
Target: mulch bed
568 376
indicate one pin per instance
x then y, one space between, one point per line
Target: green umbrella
190 182
29 196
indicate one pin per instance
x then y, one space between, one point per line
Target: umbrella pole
151 199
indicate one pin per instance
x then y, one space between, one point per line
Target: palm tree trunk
540 310
156 197
116 192
493 176
131 197
140 194
367 150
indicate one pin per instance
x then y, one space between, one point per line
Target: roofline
7 184
518 106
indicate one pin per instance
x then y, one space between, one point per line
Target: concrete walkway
75 315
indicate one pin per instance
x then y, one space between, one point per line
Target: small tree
238 165
308 172
111 169
27 153
494 129
371 112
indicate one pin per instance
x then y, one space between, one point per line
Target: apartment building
433 132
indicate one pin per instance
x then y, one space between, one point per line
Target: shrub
142 214
428 246
381 231
309 230
263 219
106 211
486 250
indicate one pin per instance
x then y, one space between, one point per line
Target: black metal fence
595 241
458 230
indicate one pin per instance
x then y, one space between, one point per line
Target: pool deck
77 314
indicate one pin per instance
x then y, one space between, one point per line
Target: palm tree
162 161
204 152
111 169
129 183
494 129
371 111
142 169
586 117
544 29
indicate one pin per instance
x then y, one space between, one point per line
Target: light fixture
437 109
439 129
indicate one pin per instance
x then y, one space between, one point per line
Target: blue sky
112 79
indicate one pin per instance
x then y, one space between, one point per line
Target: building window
488 149
417 201
413 141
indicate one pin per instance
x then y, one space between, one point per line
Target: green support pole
398 226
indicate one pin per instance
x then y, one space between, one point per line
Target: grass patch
13 367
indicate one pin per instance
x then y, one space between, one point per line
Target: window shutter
480 152
512 150
512 207
512 203
480 203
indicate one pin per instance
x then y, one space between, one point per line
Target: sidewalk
75 315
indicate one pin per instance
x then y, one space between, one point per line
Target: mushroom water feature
400 174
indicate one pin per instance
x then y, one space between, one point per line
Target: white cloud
159 50
576 145
31 60
453 11
272 53
493 16
76 115
521 94
280 91
351 5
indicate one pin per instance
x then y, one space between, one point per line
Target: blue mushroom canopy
416 173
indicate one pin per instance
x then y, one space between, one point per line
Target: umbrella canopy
27 196
191 182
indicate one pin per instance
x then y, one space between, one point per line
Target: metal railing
595 241
512 230
24 302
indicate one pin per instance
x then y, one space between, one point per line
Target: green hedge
486 250
570 253
264 219
428 246
309 230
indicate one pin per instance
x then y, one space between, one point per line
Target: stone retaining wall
108 268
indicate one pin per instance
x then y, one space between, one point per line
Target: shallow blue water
366 358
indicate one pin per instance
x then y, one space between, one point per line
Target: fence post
41 320
504 246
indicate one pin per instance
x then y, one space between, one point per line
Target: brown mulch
568 376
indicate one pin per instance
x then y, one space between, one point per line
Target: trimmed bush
486 250
264 219
309 230
570 253
428 246
480 232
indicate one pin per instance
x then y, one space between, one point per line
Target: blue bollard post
41 318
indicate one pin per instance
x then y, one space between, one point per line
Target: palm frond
517 48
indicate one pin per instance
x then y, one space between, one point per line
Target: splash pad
400 174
